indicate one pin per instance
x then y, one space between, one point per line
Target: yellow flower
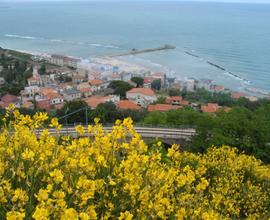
28 154
13 215
125 216
20 196
69 214
41 214
42 195
55 124
80 129
57 176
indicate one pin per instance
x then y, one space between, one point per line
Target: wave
109 46
21 36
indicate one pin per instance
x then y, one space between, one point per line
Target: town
53 80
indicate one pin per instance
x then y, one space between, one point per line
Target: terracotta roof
28 105
184 102
96 82
126 104
9 98
94 101
171 99
210 108
162 107
237 95
44 104
218 88
83 90
44 91
144 91
53 95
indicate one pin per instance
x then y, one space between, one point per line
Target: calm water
235 36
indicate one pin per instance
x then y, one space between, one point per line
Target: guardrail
163 133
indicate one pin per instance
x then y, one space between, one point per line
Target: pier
149 50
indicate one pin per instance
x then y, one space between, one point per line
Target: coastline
129 66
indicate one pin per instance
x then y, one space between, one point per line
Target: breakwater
220 68
149 50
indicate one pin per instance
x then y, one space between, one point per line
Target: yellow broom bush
116 176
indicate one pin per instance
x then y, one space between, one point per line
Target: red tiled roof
162 107
94 101
44 91
171 99
28 105
9 98
53 95
126 104
144 91
237 95
84 90
44 104
218 88
210 108
96 82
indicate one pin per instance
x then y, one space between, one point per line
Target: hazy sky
245 1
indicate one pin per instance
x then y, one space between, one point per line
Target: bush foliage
115 175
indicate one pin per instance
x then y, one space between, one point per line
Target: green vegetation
156 84
138 80
15 72
247 130
120 87
106 112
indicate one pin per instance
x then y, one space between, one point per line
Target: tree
42 69
156 84
174 92
71 107
138 80
120 87
106 112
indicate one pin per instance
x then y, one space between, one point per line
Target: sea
234 36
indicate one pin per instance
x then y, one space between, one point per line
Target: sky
236 1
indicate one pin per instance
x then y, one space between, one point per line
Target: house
8 99
28 105
147 82
85 91
176 100
160 76
189 84
141 96
77 79
55 98
217 88
238 95
204 84
34 81
30 92
162 107
210 108
71 94
94 101
127 105
43 104
64 61
97 85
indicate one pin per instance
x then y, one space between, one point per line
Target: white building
142 96
71 94
64 61
30 92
